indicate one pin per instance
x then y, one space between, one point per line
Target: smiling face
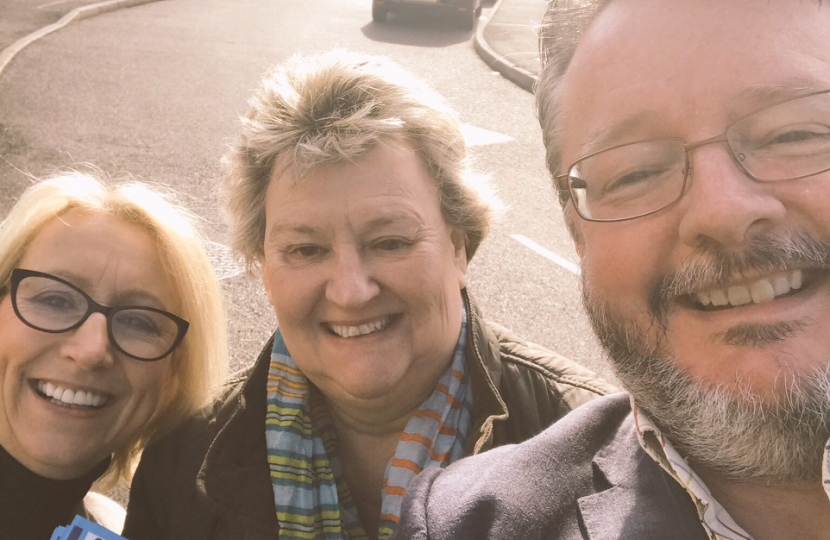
112 396
725 295
642 72
365 277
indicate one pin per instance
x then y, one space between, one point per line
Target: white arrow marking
476 136
564 263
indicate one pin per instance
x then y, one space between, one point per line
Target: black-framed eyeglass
53 305
785 141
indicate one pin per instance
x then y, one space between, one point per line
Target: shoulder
207 422
164 488
104 511
572 441
528 491
180 453
527 361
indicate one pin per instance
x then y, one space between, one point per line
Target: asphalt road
154 92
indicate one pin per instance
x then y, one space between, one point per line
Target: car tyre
379 13
467 20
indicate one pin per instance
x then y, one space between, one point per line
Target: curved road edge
519 76
7 54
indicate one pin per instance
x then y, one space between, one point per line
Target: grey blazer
586 477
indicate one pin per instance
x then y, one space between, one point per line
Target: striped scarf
312 500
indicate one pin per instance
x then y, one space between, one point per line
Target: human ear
459 242
263 269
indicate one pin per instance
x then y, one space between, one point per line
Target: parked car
465 11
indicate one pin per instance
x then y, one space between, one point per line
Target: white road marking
564 263
50 4
476 136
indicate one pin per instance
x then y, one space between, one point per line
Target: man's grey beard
732 431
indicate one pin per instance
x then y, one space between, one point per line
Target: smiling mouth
70 397
349 331
761 290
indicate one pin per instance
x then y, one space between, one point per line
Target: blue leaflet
83 529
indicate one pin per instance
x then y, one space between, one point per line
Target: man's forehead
647 64
748 99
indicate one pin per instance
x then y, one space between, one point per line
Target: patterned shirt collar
717 522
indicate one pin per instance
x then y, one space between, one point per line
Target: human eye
797 139
303 252
56 301
631 171
139 322
635 182
392 244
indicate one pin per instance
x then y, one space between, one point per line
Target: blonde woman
111 333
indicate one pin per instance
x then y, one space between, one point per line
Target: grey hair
333 108
562 27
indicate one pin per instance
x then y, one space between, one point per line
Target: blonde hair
333 108
199 364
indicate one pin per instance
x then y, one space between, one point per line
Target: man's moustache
712 266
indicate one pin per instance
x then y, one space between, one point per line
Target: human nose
723 206
351 283
89 344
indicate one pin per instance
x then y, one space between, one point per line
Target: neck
369 422
376 417
773 510
365 445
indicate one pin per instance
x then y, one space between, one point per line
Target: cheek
808 205
613 264
19 344
291 292
621 259
147 384
431 285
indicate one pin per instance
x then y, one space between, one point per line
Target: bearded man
689 142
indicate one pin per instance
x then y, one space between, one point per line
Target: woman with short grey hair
348 189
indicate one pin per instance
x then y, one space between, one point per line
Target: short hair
332 108
199 364
562 27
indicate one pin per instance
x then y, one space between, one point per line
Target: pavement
506 40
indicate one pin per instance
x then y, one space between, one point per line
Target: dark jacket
586 477
210 478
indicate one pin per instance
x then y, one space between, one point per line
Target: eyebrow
393 218
758 95
132 295
389 218
789 87
610 134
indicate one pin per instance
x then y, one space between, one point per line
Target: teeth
796 280
762 290
781 285
719 298
738 295
360 330
68 396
